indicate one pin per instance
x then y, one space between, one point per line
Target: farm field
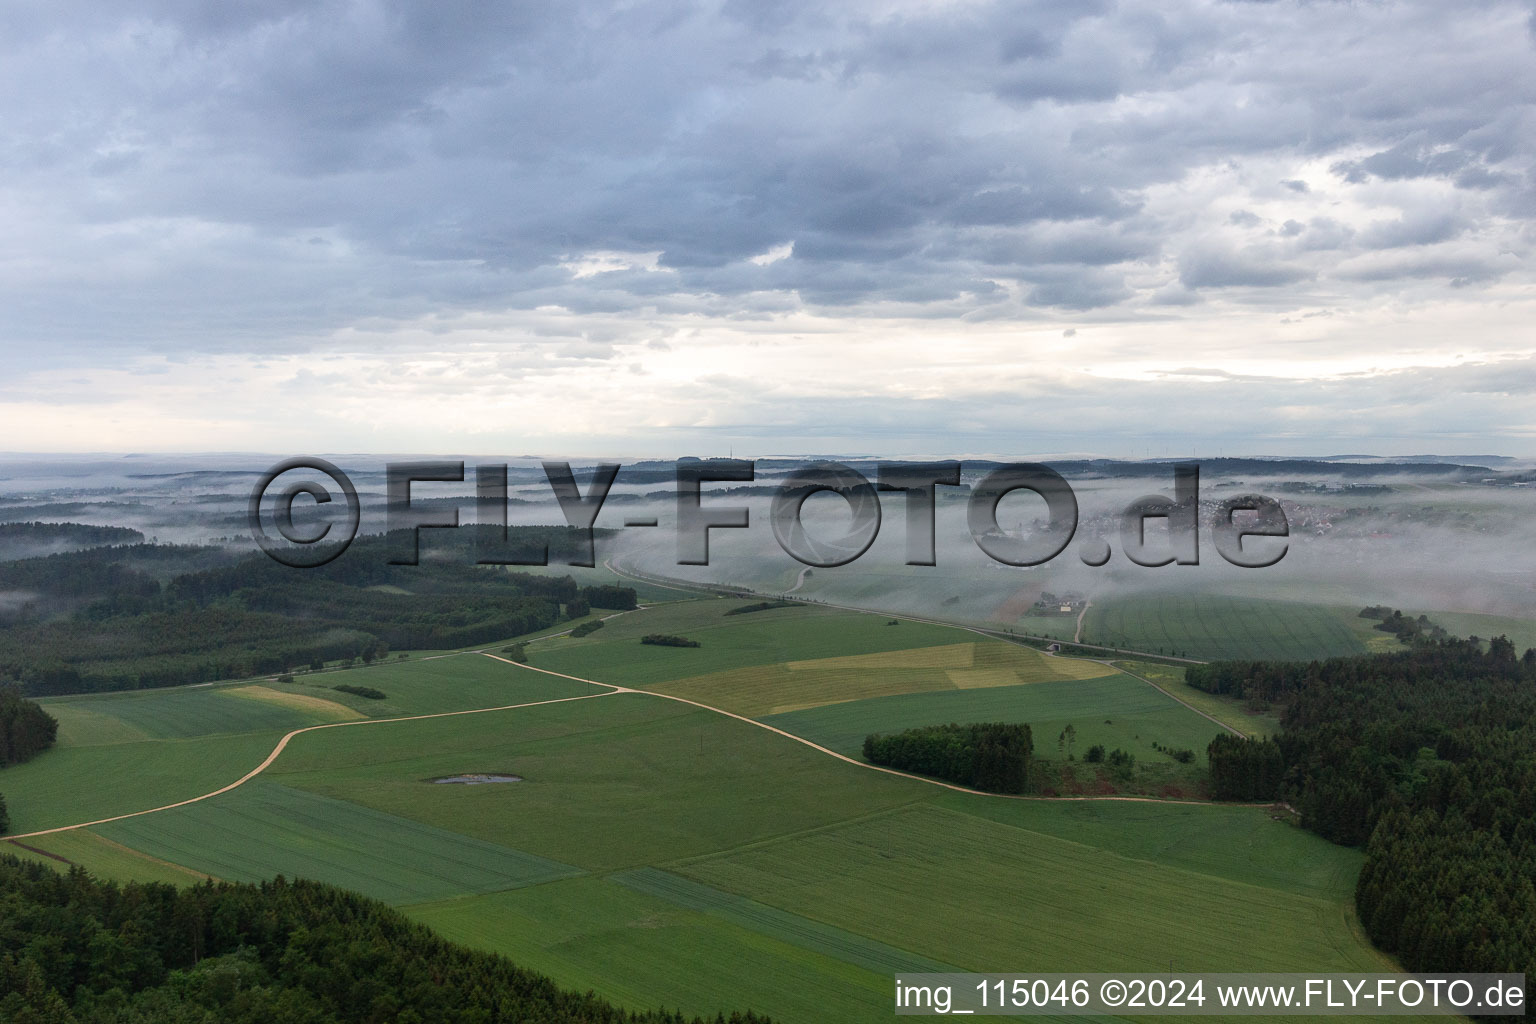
662 854
614 654
182 713
787 686
1236 843
263 827
1217 627
68 785
1226 710
642 950
420 686
612 782
102 857
1115 710
943 880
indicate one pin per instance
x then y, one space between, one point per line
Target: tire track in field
282 744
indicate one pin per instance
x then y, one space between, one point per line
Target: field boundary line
283 743
752 844
1173 697
865 764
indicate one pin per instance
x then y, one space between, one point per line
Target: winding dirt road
282 745
610 689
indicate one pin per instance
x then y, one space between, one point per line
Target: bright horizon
907 227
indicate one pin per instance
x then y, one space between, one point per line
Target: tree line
75 950
1427 759
992 756
26 730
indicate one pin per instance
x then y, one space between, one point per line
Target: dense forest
26 730
74 950
141 616
21 540
1244 769
993 756
1427 758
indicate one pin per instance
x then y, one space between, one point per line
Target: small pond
475 779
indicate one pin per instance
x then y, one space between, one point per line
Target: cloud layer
639 199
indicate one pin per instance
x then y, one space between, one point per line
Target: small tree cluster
993 756
667 640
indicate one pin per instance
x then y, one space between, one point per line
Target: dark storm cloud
221 176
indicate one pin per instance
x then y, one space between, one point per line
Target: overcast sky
1141 227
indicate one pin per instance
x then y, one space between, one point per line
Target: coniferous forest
74 950
1427 759
138 616
992 756
26 730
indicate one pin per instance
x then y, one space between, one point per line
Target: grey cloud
1220 267
1459 269
1421 228
176 158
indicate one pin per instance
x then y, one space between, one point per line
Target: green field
662 854
641 950
69 785
1170 678
614 654
1137 716
612 782
759 690
975 890
180 713
101 857
1235 843
457 682
1210 627
264 828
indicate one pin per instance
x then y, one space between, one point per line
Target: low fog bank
1425 536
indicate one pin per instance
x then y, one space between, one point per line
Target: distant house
1066 608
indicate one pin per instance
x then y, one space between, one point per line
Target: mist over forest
1431 535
